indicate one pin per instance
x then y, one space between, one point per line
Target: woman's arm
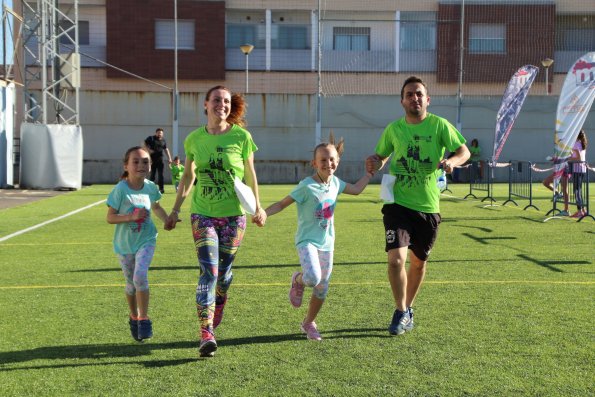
260 215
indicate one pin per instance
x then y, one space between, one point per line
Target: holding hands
260 217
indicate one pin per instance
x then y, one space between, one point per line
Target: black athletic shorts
405 227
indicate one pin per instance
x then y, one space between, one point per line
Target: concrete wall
283 126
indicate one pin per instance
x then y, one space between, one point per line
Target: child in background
177 169
316 198
129 208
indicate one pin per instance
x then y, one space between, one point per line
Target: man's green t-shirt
416 151
217 160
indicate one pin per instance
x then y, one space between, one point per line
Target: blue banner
512 101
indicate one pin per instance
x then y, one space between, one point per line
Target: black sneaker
134 329
145 329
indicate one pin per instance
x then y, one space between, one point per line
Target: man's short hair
159 129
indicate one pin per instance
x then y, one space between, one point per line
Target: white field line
446 282
49 221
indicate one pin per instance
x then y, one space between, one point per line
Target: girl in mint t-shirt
316 198
129 207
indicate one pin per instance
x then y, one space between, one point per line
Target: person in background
156 146
417 143
177 169
579 169
475 159
216 154
130 204
316 198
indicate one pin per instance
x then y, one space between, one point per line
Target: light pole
246 49
547 62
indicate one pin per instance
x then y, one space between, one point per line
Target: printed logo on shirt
324 213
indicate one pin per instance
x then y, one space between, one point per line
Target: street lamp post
547 62
246 49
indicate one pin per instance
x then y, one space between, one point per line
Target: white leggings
136 269
316 269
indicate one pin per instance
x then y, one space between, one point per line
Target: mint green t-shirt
316 208
217 160
131 236
416 151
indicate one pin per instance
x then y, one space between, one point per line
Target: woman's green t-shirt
217 160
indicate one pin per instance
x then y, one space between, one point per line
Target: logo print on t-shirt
408 166
324 213
215 181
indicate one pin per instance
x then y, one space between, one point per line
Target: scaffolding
51 62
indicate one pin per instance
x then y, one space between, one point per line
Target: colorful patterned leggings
136 269
317 267
217 241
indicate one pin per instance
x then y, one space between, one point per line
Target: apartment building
353 54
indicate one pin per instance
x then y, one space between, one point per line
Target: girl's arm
159 211
358 186
113 217
279 205
186 183
260 215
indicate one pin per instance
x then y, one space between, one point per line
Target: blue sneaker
133 329
400 323
145 329
409 326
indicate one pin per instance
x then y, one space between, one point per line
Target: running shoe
409 326
296 292
311 331
563 213
400 323
208 345
218 316
145 329
133 329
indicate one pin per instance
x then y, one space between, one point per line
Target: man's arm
460 156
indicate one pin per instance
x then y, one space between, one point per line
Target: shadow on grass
550 265
110 351
487 240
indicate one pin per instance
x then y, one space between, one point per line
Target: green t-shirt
416 151
217 160
176 172
475 153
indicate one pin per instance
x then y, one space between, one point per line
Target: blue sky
9 36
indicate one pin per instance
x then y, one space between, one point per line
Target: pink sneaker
310 330
218 316
296 292
208 345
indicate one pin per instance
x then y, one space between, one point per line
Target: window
418 31
240 34
575 33
68 38
487 38
351 39
290 37
165 30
